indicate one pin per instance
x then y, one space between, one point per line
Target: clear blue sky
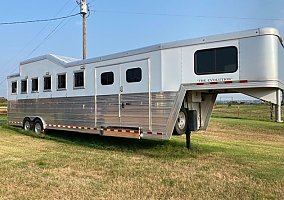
115 26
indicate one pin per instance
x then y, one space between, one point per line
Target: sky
115 26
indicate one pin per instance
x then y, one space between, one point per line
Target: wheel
38 126
27 124
181 123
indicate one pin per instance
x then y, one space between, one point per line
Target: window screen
24 84
216 61
107 78
34 84
79 79
134 75
47 83
61 81
14 87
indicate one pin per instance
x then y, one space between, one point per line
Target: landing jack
188 144
192 126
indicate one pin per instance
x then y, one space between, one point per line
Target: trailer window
134 75
35 85
61 81
79 79
14 87
24 84
107 78
47 83
216 61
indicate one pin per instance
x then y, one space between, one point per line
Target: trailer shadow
98 141
166 150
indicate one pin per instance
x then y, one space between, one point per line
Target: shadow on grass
94 140
166 150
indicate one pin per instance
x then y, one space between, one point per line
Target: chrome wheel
27 125
181 121
38 127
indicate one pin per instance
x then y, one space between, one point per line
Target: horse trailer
149 92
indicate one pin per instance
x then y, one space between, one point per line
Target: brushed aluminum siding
78 111
81 111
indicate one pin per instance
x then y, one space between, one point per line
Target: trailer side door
107 96
134 94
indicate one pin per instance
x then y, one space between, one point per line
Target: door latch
123 104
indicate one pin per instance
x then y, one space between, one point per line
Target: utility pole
84 11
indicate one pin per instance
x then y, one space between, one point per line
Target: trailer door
107 96
134 94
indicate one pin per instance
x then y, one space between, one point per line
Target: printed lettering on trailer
214 80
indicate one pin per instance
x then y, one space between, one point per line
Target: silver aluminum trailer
148 92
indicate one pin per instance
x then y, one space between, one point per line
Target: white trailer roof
69 62
62 60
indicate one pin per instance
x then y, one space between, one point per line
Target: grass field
233 159
260 112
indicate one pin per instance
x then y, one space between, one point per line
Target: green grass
234 159
3 120
261 112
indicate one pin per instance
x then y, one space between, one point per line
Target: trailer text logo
214 80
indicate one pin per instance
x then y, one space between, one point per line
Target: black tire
27 124
181 123
38 126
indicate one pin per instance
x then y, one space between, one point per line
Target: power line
184 15
36 36
38 20
50 34
66 3
47 37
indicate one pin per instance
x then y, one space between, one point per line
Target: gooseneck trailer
149 92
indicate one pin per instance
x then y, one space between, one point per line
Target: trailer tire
27 124
38 126
181 123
